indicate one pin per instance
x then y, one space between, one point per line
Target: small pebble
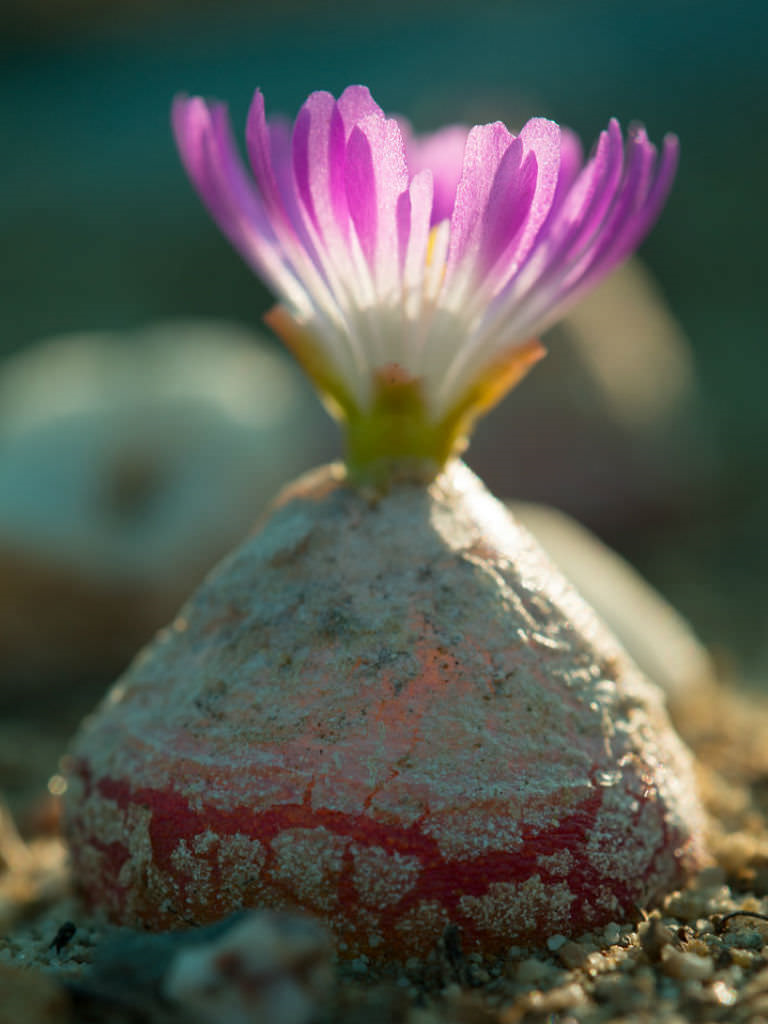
743 957
744 938
572 954
686 966
687 905
478 976
722 994
268 966
567 997
358 967
532 970
757 984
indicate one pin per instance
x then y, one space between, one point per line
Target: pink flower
413 273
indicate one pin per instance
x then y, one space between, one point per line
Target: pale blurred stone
267 967
686 966
610 426
651 631
129 463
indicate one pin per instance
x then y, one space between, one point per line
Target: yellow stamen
431 245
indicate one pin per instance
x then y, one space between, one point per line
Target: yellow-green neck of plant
395 438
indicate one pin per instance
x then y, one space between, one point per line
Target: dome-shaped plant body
396 714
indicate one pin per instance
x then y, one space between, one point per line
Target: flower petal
485 148
318 164
375 176
639 209
322 213
414 245
571 159
508 207
583 207
259 146
441 152
601 241
269 150
612 205
544 139
575 218
356 103
208 151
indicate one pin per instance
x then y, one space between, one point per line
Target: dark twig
720 925
63 936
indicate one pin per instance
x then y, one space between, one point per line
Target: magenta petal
608 210
269 151
486 145
210 156
578 214
318 164
360 183
291 213
534 194
191 122
259 147
375 176
278 158
627 200
659 192
354 104
403 213
544 139
571 159
441 152
638 207
509 203
251 229
414 233
593 191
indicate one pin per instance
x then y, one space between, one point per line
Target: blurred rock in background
129 464
652 632
610 425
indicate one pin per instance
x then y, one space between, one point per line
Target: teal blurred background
100 229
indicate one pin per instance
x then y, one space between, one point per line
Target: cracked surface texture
395 714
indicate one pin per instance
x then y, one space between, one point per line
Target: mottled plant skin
414 273
395 716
